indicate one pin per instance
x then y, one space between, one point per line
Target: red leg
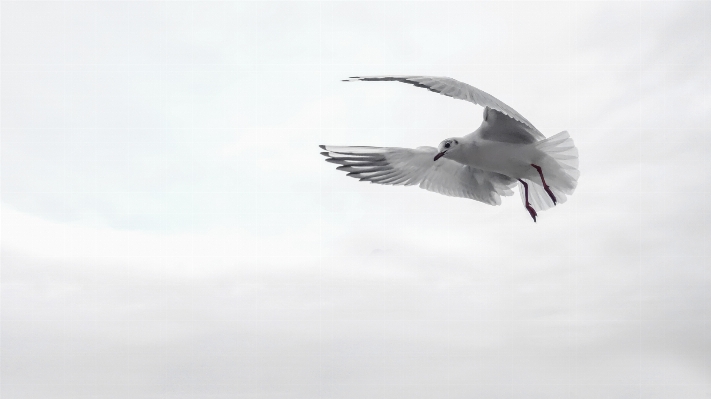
545 186
529 208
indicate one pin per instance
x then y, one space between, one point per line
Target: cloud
202 247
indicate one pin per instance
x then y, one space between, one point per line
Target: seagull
483 165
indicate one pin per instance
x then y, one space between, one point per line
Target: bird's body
482 165
494 156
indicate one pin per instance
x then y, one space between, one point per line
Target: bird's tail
560 169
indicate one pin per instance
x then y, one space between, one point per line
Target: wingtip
321 146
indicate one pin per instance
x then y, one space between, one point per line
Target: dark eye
446 145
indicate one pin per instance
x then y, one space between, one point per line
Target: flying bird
483 165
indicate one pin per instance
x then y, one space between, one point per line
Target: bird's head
449 147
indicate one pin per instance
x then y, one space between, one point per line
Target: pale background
169 229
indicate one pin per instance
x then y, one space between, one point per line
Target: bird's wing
452 88
405 166
499 127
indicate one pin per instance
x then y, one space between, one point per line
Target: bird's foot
532 212
545 186
550 194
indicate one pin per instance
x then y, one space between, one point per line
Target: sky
170 230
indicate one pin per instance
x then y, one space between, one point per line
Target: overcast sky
170 230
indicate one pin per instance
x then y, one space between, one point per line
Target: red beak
438 156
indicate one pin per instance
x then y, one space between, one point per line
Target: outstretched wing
405 166
452 88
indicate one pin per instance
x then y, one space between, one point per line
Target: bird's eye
446 145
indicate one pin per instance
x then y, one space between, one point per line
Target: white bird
483 165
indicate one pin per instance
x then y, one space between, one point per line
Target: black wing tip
322 146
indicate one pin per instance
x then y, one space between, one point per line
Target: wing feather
452 88
405 166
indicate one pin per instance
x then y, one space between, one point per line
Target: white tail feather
560 169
